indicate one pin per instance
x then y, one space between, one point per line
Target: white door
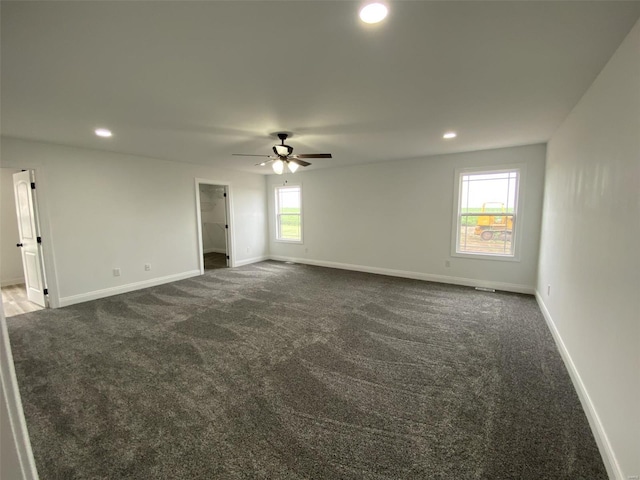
28 242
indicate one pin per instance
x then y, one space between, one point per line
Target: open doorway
213 225
22 275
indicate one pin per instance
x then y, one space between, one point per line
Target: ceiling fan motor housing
282 150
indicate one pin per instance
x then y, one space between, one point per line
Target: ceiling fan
284 157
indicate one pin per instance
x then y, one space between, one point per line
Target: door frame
229 214
11 400
44 227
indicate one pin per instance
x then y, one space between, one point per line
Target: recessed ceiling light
373 13
450 135
103 132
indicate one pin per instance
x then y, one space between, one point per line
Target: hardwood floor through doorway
15 301
215 260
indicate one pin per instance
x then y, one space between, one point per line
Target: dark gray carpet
277 371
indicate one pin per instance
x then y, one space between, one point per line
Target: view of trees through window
486 212
288 214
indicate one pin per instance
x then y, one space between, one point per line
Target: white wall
102 210
10 258
590 253
396 218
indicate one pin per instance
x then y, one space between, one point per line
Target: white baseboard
214 250
107 292
469 282
7 282
247 261
602 440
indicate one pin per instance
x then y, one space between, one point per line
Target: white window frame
276 188
517 217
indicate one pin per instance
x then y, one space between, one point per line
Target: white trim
129 287
469 282
247 261
18 425
602 440
12 281
199 228
215 250
485 256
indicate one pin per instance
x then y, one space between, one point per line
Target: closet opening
214 230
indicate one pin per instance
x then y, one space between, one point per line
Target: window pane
288 213
486 234
290 200
486 213
290 227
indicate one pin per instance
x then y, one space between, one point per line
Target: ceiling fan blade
262 164
302 163
249 155
313 155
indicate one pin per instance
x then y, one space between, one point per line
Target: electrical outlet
306 250
116 272
548 290
634 477
248 249
147 267
447 263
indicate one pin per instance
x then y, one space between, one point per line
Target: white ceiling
197 81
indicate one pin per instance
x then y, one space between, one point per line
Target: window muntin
288 214
486 213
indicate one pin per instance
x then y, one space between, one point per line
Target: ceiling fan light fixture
103 132
293 166
373 12
278 166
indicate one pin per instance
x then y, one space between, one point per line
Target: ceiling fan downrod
279 150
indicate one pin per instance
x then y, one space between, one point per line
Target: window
288 214
486 213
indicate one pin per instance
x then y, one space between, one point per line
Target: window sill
485 256
294 242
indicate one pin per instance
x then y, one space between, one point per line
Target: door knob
19 245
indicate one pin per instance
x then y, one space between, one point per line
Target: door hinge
39 239
46 291
227 257
33 185
225 195
226 226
